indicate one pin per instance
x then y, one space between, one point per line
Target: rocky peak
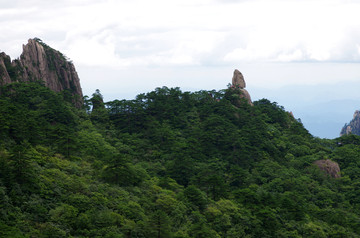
238 85
39 61
238 79
353 127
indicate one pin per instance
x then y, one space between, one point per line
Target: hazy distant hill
321 114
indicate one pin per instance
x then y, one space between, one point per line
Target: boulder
329 167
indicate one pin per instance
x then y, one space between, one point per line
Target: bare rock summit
40 62
238 85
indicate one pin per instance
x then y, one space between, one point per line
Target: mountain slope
168 164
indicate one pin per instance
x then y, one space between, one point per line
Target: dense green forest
168 164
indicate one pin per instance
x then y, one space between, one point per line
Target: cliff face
40 62
5 63
353 127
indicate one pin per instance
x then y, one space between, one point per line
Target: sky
302 54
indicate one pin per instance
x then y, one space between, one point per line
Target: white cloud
161 32
197 32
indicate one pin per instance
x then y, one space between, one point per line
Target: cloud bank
157 33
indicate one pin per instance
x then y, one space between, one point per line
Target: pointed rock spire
238 79
238 84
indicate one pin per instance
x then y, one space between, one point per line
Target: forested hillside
168 164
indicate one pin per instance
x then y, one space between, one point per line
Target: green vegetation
168 164
12 70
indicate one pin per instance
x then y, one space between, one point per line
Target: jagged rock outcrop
39 62
238 86
329 167
353 127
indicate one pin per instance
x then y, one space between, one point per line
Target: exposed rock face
40 62
238 84
329 167
353 127
4 75
246 95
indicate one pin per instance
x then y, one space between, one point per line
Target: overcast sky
126 47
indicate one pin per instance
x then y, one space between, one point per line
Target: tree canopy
168 164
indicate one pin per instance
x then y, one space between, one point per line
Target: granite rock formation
329 167
39 62
353 127
238 79
5 63
238 85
